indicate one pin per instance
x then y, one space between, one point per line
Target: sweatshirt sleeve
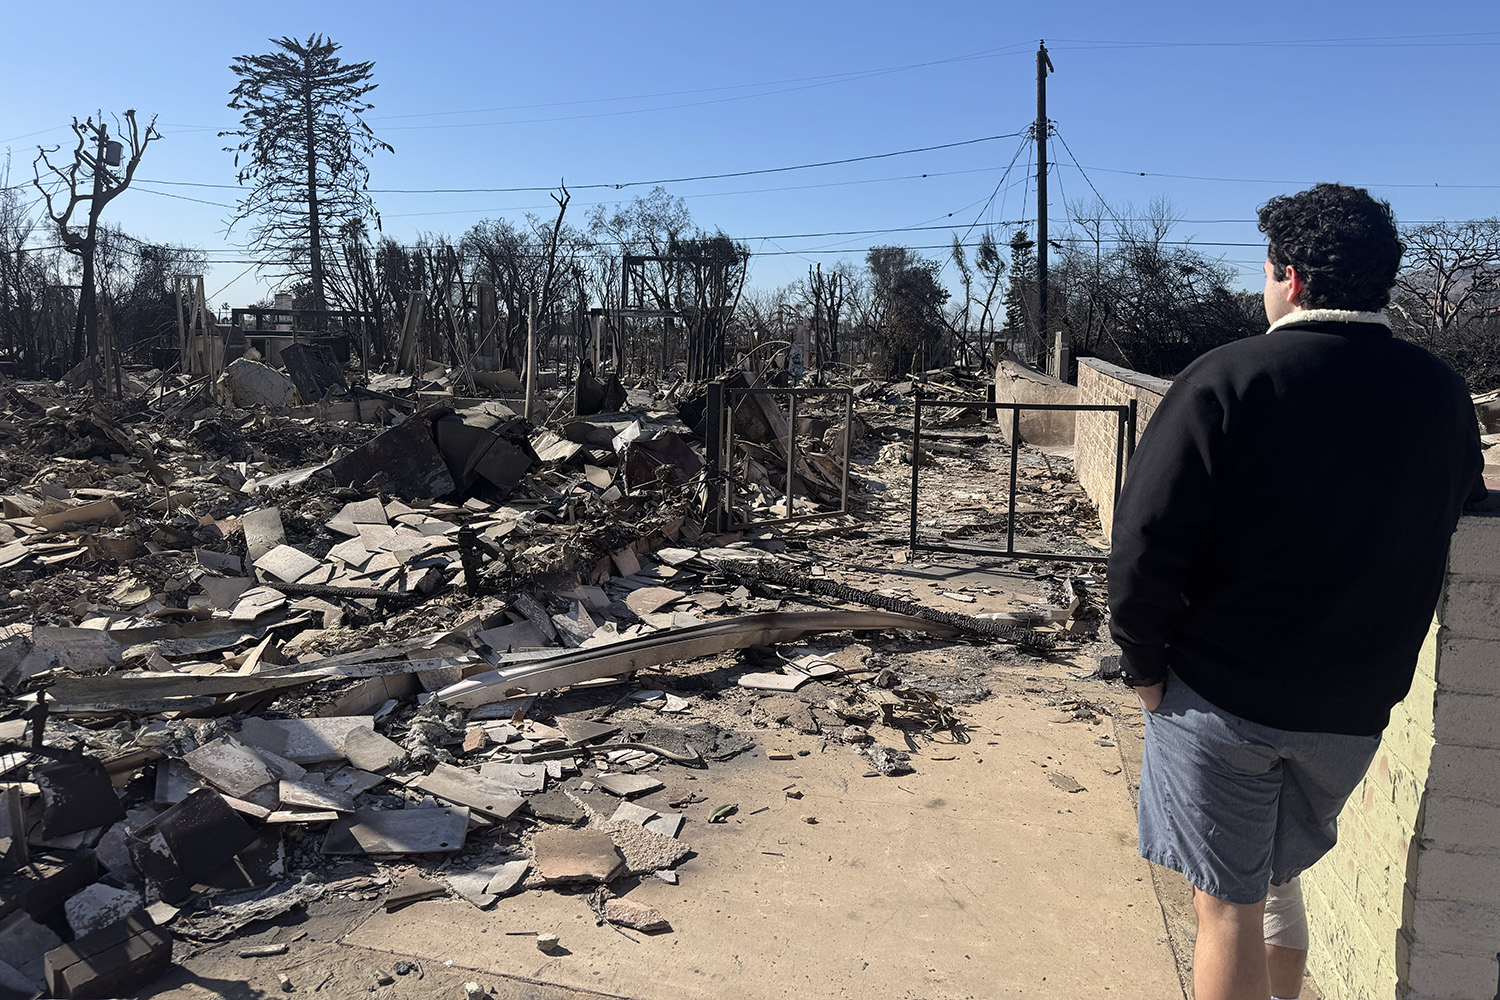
1159 525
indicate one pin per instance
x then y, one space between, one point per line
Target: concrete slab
926 885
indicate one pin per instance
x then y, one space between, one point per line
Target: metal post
848 449
729 467
791 448
1015 458
530 354
1130 432
713 439
1120 417
916 459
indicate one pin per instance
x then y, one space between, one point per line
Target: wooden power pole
1043 67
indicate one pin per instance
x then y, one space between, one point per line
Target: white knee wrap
1286 917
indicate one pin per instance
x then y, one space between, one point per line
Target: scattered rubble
292 636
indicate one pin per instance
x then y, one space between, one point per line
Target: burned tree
88 182
303 146
909 309
826 293
714 268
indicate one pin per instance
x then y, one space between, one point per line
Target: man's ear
1293 286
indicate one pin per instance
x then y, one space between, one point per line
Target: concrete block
114 961
1457 876
23 942
77 795
188 843
1471 607
1467 720
100 905
1458 927
1438 975
1465 772
1468 664
1461 824
1475 549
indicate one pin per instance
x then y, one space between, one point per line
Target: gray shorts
1236 806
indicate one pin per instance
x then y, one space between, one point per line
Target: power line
1457 39
660 180
1283 180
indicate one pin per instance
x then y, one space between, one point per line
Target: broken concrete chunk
637 916
100 905
287 564
76 795
247 384
507 877
576 856
370 751
465 788
627 786
772 682
648 599
521 777
557 807
403 461
413 889
263 531
398 831
629 812
317 796
230 767
666 824
305 741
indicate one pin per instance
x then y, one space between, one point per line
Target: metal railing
1124 447
719 435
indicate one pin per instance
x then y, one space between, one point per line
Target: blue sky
1221 105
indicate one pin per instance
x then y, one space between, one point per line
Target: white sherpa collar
1331 316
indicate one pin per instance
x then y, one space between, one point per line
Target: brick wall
1095 433
1408 904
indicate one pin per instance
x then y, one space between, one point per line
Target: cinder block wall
1408 904
1018 383
1095 433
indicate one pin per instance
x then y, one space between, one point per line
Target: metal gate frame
719 435
1125 433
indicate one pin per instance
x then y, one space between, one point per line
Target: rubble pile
397 644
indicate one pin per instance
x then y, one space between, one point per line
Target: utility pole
1043 67
531 374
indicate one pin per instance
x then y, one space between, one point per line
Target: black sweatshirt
1283 531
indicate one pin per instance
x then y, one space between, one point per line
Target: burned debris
279 636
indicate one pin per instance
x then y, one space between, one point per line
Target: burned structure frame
719 438
1125 434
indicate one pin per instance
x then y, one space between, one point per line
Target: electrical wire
621 185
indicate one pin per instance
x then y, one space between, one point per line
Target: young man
1278 551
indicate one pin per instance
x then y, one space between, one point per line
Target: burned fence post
713 438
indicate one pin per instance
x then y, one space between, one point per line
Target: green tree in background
302 150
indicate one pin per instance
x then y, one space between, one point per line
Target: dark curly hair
1342 242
